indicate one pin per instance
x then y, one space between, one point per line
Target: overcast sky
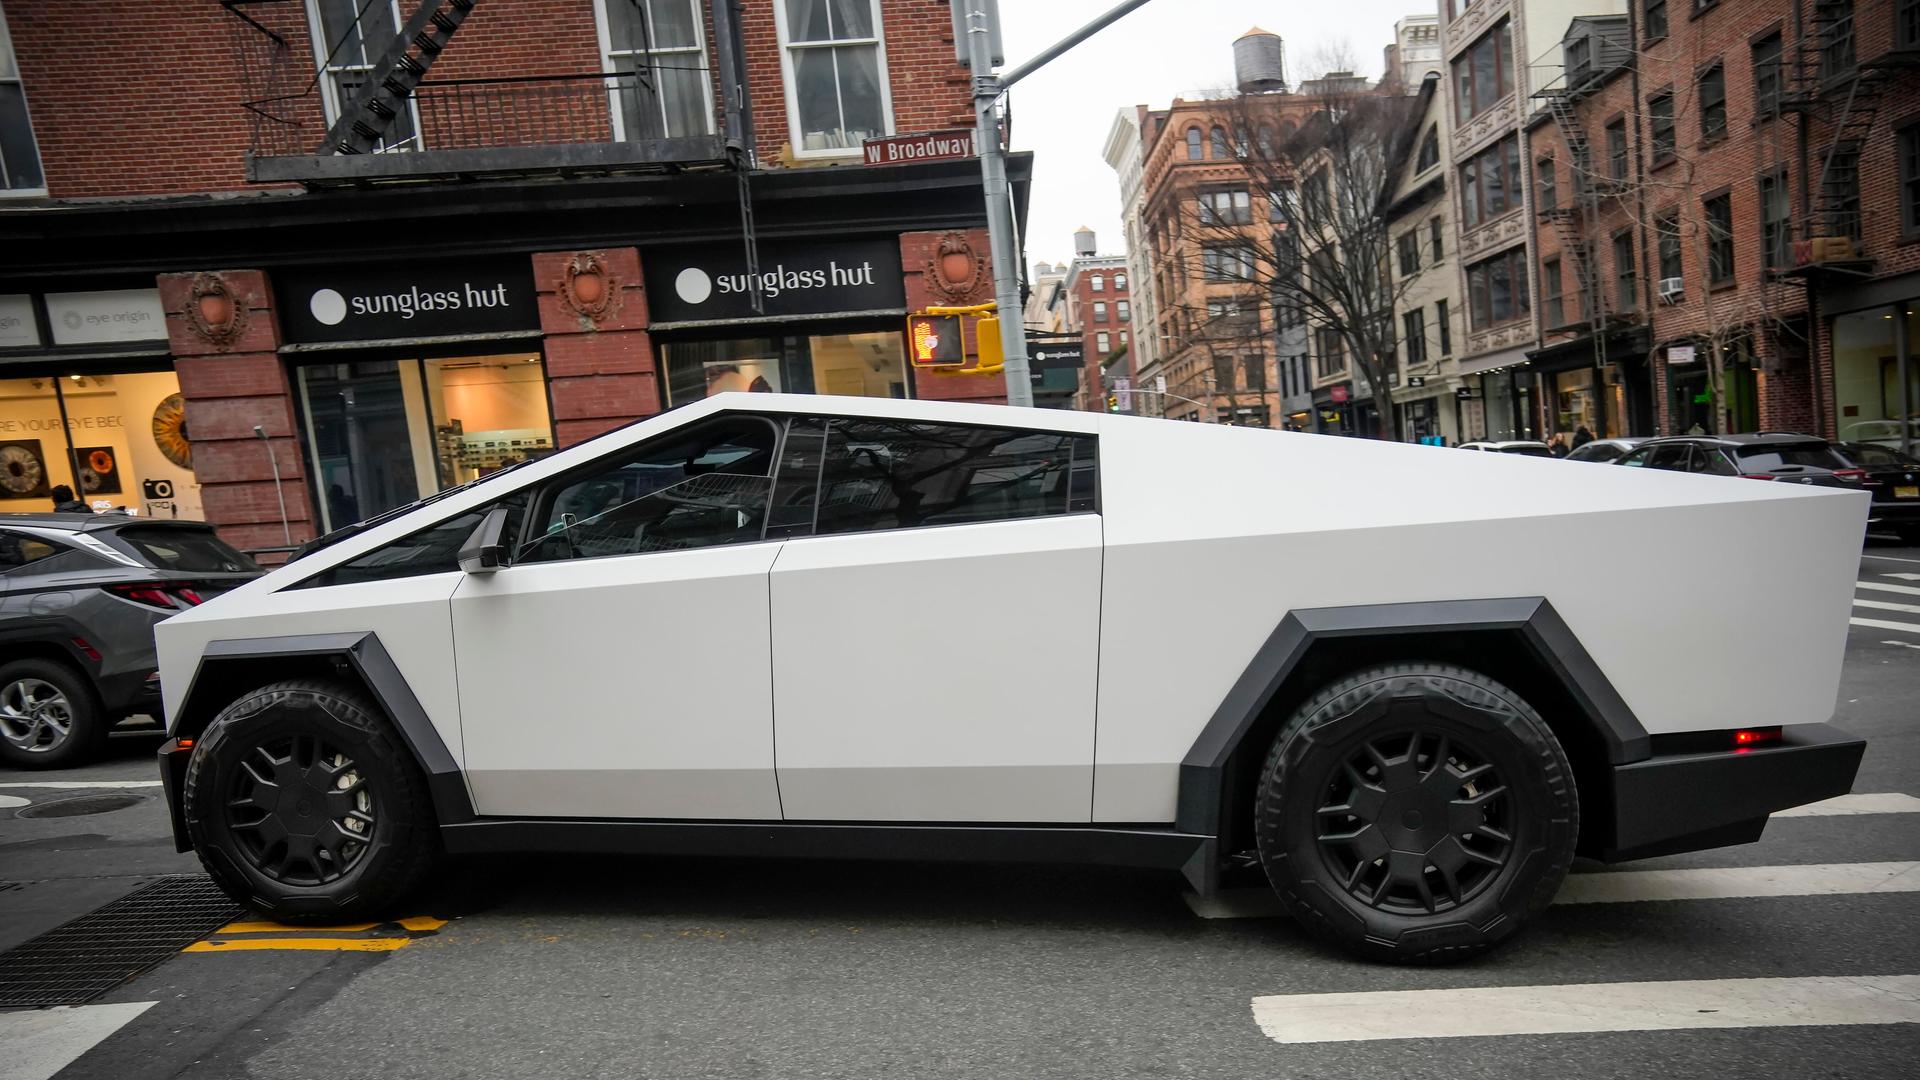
1167 49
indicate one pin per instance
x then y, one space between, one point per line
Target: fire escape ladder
1572 222
364 122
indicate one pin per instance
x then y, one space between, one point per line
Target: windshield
1816 455
1872 456
1530 451
193 551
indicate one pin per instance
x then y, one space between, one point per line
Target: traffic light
993 352
1113 402
934 341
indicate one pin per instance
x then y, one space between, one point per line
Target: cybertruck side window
433 550
702 486
898 474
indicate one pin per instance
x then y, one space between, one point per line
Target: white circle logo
328 306
693 285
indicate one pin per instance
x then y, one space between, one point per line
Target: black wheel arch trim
1203 781
363 653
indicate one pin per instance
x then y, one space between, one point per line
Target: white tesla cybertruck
1404 684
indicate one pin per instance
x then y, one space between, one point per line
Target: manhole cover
81 805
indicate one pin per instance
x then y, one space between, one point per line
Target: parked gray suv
79 597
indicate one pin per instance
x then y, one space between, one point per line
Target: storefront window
122 446
1574 403
1498 388
383 433
1690 400
871 364
1868 397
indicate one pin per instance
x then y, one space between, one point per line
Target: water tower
1260 62
1083 241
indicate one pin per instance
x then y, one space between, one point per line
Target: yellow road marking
422 922
335 944
244 927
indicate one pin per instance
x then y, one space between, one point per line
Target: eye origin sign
935 341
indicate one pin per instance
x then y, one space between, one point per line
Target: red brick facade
1759 331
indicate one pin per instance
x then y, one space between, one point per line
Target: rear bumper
1688 801
1902 512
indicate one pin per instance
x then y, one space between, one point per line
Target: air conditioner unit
1671 289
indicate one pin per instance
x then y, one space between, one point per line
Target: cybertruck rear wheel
1416 813
304 805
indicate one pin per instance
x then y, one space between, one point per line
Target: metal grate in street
77 962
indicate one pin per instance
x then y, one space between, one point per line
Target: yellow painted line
386 944
278 928
422 922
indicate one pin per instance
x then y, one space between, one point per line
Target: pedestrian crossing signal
934 341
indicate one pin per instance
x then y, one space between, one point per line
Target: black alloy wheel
299 811
303 802
1416 813
1416 823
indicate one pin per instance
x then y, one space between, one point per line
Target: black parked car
1768 455
79 597
1894 479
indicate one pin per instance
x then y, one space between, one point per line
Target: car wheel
49 716
1416 813
303 804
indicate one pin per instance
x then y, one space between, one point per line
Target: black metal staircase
1571 222
364 122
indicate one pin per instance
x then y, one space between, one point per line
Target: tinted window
1638 459
701 487
1762 458
188 550
1874 456
19 549
1595 452
1670 457
1529 451
433 550
895 474
1706 459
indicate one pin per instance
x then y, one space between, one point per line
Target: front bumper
1688 801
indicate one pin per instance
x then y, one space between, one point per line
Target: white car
1523 447
1406 688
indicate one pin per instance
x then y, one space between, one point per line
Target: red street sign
926 146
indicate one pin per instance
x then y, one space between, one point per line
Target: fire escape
1572 220
359 106
1825 83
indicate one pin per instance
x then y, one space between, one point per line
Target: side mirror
486 550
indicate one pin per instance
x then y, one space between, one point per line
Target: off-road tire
403 844
86 736
1308 762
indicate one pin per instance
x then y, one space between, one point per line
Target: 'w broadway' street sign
927 146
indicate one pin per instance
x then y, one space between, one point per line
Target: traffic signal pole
987 88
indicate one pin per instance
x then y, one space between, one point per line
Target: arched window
1194 153
1240 144
1266 142
1099 283
1220 149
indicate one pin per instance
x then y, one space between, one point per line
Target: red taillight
192 598
1855 475
150 595
1758 476
1755 736
86 646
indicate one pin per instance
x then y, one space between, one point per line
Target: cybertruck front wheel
304 805
1416 813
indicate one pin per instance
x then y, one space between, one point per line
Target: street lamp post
987 88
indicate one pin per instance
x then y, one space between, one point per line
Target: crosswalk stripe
1737 882
1885 624
74 784
1640 886
1882 586
1589 1007
1885 605
36 1043
1872 802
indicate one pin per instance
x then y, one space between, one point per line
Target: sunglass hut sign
387 302
713 282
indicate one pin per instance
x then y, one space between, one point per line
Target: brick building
1751 222
379 249
1099 300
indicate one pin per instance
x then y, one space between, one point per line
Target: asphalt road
684 968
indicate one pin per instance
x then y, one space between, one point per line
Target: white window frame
603 29
787 47
330 93
27 107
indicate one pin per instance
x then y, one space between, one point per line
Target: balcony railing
596 121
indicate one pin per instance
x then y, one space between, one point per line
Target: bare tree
1307 240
